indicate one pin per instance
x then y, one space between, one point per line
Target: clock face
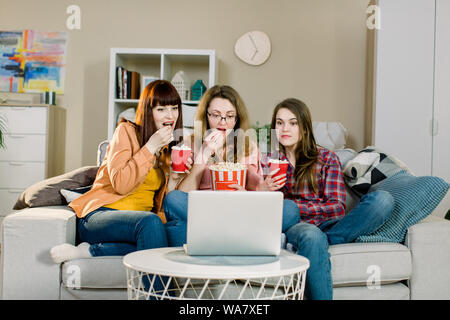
253 48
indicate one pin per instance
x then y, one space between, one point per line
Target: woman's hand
273 184
175 178
238 187
159 139
212 144
189 163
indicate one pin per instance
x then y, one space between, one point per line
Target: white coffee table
215 277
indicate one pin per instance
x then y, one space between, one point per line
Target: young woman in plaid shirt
315 182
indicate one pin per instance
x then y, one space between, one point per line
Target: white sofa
417 269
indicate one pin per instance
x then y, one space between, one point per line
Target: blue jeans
176 206
312 241
113 232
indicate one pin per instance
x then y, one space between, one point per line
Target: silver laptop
233 223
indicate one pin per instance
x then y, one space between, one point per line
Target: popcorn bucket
222 177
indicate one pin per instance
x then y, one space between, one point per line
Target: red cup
275 164
221 179
180 157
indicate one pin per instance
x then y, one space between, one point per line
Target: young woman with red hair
123 212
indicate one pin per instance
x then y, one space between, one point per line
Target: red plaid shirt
329 202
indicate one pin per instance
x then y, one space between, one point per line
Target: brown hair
225 92
242 119
156 93
306 151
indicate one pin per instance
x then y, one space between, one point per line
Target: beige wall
318 54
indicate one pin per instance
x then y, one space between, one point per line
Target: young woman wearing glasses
219 136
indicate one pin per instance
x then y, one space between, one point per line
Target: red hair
156 93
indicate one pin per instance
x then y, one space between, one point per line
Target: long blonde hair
306 151
225 92
242 119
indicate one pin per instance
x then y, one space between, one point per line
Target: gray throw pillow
72 194
415 198
46 192
345 155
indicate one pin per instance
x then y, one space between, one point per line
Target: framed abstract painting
32 61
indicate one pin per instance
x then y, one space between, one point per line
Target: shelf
190 102
127 101
162 64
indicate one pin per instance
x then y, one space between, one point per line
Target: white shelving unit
162 63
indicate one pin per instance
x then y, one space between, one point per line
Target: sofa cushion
46 192
93 294
349 266
72 194
357 263
415 198
369 169
330 135
394 291
109 273
95 273
345 155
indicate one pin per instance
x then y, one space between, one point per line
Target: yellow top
141 199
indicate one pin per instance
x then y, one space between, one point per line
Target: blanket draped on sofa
415 197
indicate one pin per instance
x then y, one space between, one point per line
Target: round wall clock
253 48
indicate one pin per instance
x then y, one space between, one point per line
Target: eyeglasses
218 117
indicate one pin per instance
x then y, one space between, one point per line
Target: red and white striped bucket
221 179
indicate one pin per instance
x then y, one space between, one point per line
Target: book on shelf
135 86
119 94
127 84
125 81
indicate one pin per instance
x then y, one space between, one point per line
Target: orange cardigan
124 168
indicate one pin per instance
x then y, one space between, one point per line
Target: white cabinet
35 149
412 96
162 64
441 138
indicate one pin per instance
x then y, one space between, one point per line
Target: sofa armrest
429 242
28 235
